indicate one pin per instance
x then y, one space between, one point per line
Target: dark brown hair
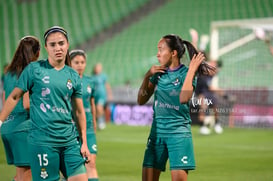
27 51
74 53
174 42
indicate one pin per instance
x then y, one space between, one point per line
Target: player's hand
157 68
196 61
85 153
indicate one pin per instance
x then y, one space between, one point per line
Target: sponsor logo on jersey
174 92
10 118
46 107
168 106
43 107
59 110
45 91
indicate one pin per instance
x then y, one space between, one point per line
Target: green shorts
16 148
100 100
46 162
91 142
179 150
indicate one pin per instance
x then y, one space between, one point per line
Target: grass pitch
237 154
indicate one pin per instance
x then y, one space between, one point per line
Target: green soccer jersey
50 92
87 94
18 120
170 116
99 82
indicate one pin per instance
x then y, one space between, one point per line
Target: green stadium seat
82 19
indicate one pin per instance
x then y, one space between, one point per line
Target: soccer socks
101 122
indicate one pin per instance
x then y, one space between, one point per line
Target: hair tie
76 52
186 50
55 29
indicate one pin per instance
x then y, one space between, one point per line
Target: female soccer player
54 89
172 84
15 130
103 94
78 62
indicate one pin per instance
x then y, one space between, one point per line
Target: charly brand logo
201 101
184 160
94 147
46 79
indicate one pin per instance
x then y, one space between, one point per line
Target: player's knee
91 164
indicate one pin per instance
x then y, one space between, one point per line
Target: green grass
237 154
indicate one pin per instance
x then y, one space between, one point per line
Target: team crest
44 174
176 82
69 84
89 90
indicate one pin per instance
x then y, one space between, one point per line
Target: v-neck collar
50 66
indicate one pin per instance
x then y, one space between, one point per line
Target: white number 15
43 159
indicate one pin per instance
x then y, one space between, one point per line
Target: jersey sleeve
25 80
154 78
78 87
93 88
